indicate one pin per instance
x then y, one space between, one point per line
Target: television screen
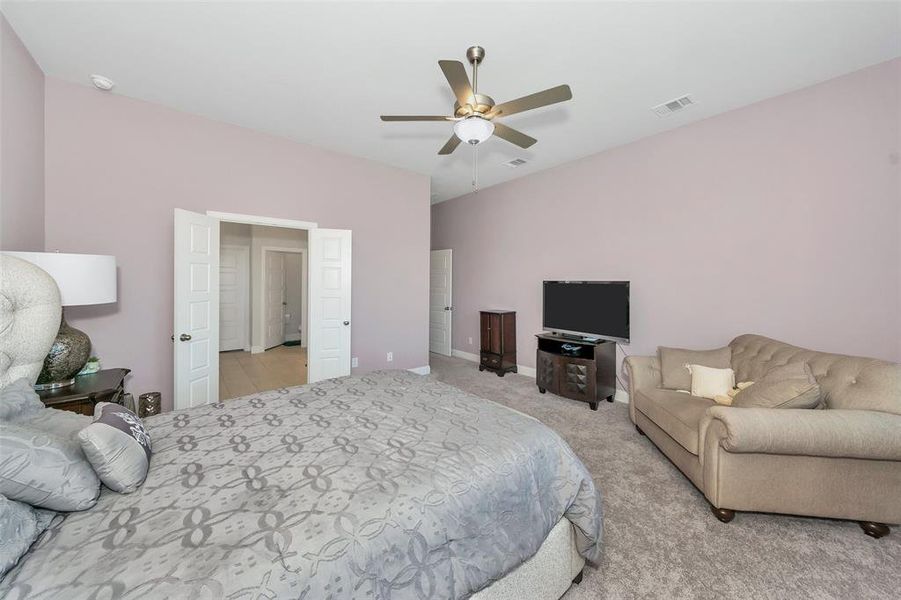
588 308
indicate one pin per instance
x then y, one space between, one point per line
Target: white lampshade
474 130
82 278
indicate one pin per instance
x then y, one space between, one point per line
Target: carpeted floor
661 541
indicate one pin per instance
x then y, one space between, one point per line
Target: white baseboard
421 370
465 355
257 349
620 396
521 369
292 337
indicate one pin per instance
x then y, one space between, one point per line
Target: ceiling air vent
516 162
673 106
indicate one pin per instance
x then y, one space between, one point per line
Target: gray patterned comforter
389 485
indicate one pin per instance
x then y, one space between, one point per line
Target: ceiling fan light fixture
473 130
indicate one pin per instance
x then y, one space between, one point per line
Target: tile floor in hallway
243 373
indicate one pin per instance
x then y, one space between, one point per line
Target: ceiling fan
475 115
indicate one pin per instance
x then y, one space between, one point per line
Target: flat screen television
592 309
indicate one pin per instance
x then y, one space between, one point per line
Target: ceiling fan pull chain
475 168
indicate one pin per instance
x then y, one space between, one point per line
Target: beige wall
149 159
780 218
21 145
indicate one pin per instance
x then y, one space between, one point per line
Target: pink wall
116 168
780 218
21 145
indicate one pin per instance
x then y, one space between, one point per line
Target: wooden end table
107 385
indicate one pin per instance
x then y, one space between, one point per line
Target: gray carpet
661 541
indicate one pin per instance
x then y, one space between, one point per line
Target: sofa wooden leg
874 530
578 578
723 514
638 429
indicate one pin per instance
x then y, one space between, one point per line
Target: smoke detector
672 106
516 162
102 83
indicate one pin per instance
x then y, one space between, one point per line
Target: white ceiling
322 73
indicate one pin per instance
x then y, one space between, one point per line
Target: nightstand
107 385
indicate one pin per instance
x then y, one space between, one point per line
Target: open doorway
326 332
263 310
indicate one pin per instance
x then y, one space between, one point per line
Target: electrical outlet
470 341
390 356
355 362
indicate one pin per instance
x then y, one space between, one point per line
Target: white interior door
329 302
274 299
440 298
234 293
196 309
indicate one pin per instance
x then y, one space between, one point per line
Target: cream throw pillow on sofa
707 382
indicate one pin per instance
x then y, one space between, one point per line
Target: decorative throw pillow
117 446
45 470
63 424
19 400
710 383
20 526
674 364
788 386
726 400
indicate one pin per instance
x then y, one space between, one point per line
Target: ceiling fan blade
450 146
458 80
415 118
561 93
513 136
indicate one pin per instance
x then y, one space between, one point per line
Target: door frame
245 282
304 291
231 218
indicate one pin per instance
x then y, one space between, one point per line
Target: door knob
347 322
184 337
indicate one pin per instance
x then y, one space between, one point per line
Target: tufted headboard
850 382
29 319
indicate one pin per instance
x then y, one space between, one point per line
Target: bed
384 486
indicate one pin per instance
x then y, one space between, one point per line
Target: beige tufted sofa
843 462
29 319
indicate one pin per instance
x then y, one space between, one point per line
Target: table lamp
83 279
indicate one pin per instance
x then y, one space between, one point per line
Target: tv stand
576 368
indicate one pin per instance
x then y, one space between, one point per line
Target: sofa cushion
676 413
788 386
674 364
846 382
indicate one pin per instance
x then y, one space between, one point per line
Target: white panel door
234 294
328 352
440 298
196 335
274 299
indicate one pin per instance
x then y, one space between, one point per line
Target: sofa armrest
644 373
804 432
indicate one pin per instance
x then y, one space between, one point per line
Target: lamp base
68 355
53 385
